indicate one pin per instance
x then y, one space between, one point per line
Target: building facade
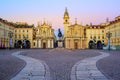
5 29
114 29
23 35
74 35
44 36
95 36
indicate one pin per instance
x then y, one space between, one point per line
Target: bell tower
66 21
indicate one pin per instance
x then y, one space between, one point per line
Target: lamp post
10 34
108 35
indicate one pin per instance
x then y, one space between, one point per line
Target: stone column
72 44
80 43
39 43
49 45
52 44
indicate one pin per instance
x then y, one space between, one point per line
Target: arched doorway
44 45
76 45
27 44
91 44
19 44
99 45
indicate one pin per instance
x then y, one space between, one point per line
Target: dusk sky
34 11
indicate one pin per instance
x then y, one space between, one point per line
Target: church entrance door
76 45
44 45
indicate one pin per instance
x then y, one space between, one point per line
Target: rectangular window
98 37
90 37
94 37
102 31
102 37
19 36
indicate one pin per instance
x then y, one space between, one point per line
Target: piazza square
59 40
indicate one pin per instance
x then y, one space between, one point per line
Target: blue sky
34 11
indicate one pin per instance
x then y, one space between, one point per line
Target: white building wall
40 44
48 43
52 44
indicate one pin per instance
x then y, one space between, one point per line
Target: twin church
73 38
76 36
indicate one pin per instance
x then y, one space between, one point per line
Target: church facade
44 36
74 35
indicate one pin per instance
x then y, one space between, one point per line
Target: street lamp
108 35
10 34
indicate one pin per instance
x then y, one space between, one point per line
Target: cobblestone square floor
60 63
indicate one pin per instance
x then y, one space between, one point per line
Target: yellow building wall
24 33
95 33
114 29
5 29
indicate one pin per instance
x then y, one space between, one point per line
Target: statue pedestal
60 44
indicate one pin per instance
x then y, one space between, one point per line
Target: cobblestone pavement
86 69
110 66
61 61
9 65
34 69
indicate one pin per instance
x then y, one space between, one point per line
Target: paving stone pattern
9 65
86 69
34 69
60 61
110 65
